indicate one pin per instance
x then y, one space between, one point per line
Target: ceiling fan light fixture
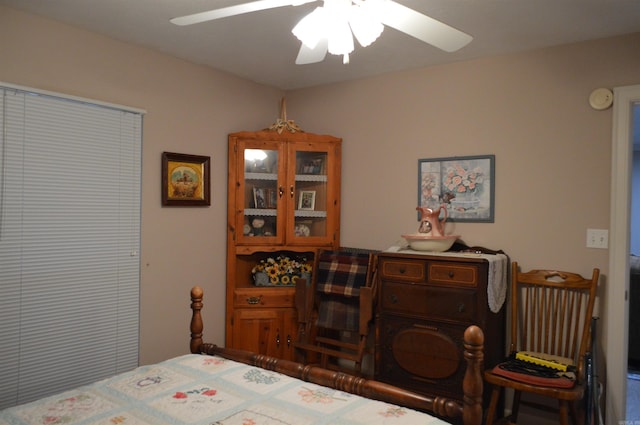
338 21
310 29
340 37
366 26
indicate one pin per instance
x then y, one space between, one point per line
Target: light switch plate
598 238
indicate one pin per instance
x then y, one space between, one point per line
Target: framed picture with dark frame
185 180
272 198
260 198
464 184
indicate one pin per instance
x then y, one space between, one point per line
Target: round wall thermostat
601 99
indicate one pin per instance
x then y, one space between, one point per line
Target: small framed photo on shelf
260 197
312 166
307 200
272 198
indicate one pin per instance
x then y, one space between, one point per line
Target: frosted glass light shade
340 37
366 26
310 29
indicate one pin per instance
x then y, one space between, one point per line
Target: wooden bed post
196 319
472 384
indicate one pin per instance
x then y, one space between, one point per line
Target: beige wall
530 110
553 152
190 109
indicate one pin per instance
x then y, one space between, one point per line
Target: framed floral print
185 180
464 185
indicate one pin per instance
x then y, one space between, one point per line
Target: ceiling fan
331 27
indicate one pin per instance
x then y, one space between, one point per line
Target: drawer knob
451 274
402 270
394 299
461 308
254 300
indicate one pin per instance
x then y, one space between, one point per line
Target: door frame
617 284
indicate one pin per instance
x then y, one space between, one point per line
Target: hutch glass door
311 196
262 194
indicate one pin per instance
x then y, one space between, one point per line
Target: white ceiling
260 47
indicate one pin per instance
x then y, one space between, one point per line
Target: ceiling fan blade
422 27
239 9
307 55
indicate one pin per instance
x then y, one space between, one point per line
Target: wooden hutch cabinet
283 199
425 304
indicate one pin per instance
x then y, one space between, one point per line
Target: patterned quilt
196 389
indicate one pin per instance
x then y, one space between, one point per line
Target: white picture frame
307 200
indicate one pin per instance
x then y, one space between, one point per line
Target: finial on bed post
472 383
196 319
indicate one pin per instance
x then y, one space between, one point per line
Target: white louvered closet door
69 242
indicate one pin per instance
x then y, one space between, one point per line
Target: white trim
617 284
75 98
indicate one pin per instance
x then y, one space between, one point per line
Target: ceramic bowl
424 242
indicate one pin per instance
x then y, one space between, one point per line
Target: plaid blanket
341 274
340 314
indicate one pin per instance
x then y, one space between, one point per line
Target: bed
216 385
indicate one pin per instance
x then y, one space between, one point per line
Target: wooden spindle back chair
551 313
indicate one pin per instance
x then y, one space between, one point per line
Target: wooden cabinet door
312 182
265 331
257 192
425 356
290 331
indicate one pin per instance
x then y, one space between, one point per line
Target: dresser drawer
410 270
259 298
434 302
453 273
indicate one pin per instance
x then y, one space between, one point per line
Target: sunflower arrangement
281 270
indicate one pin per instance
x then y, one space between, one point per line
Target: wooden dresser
425 303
